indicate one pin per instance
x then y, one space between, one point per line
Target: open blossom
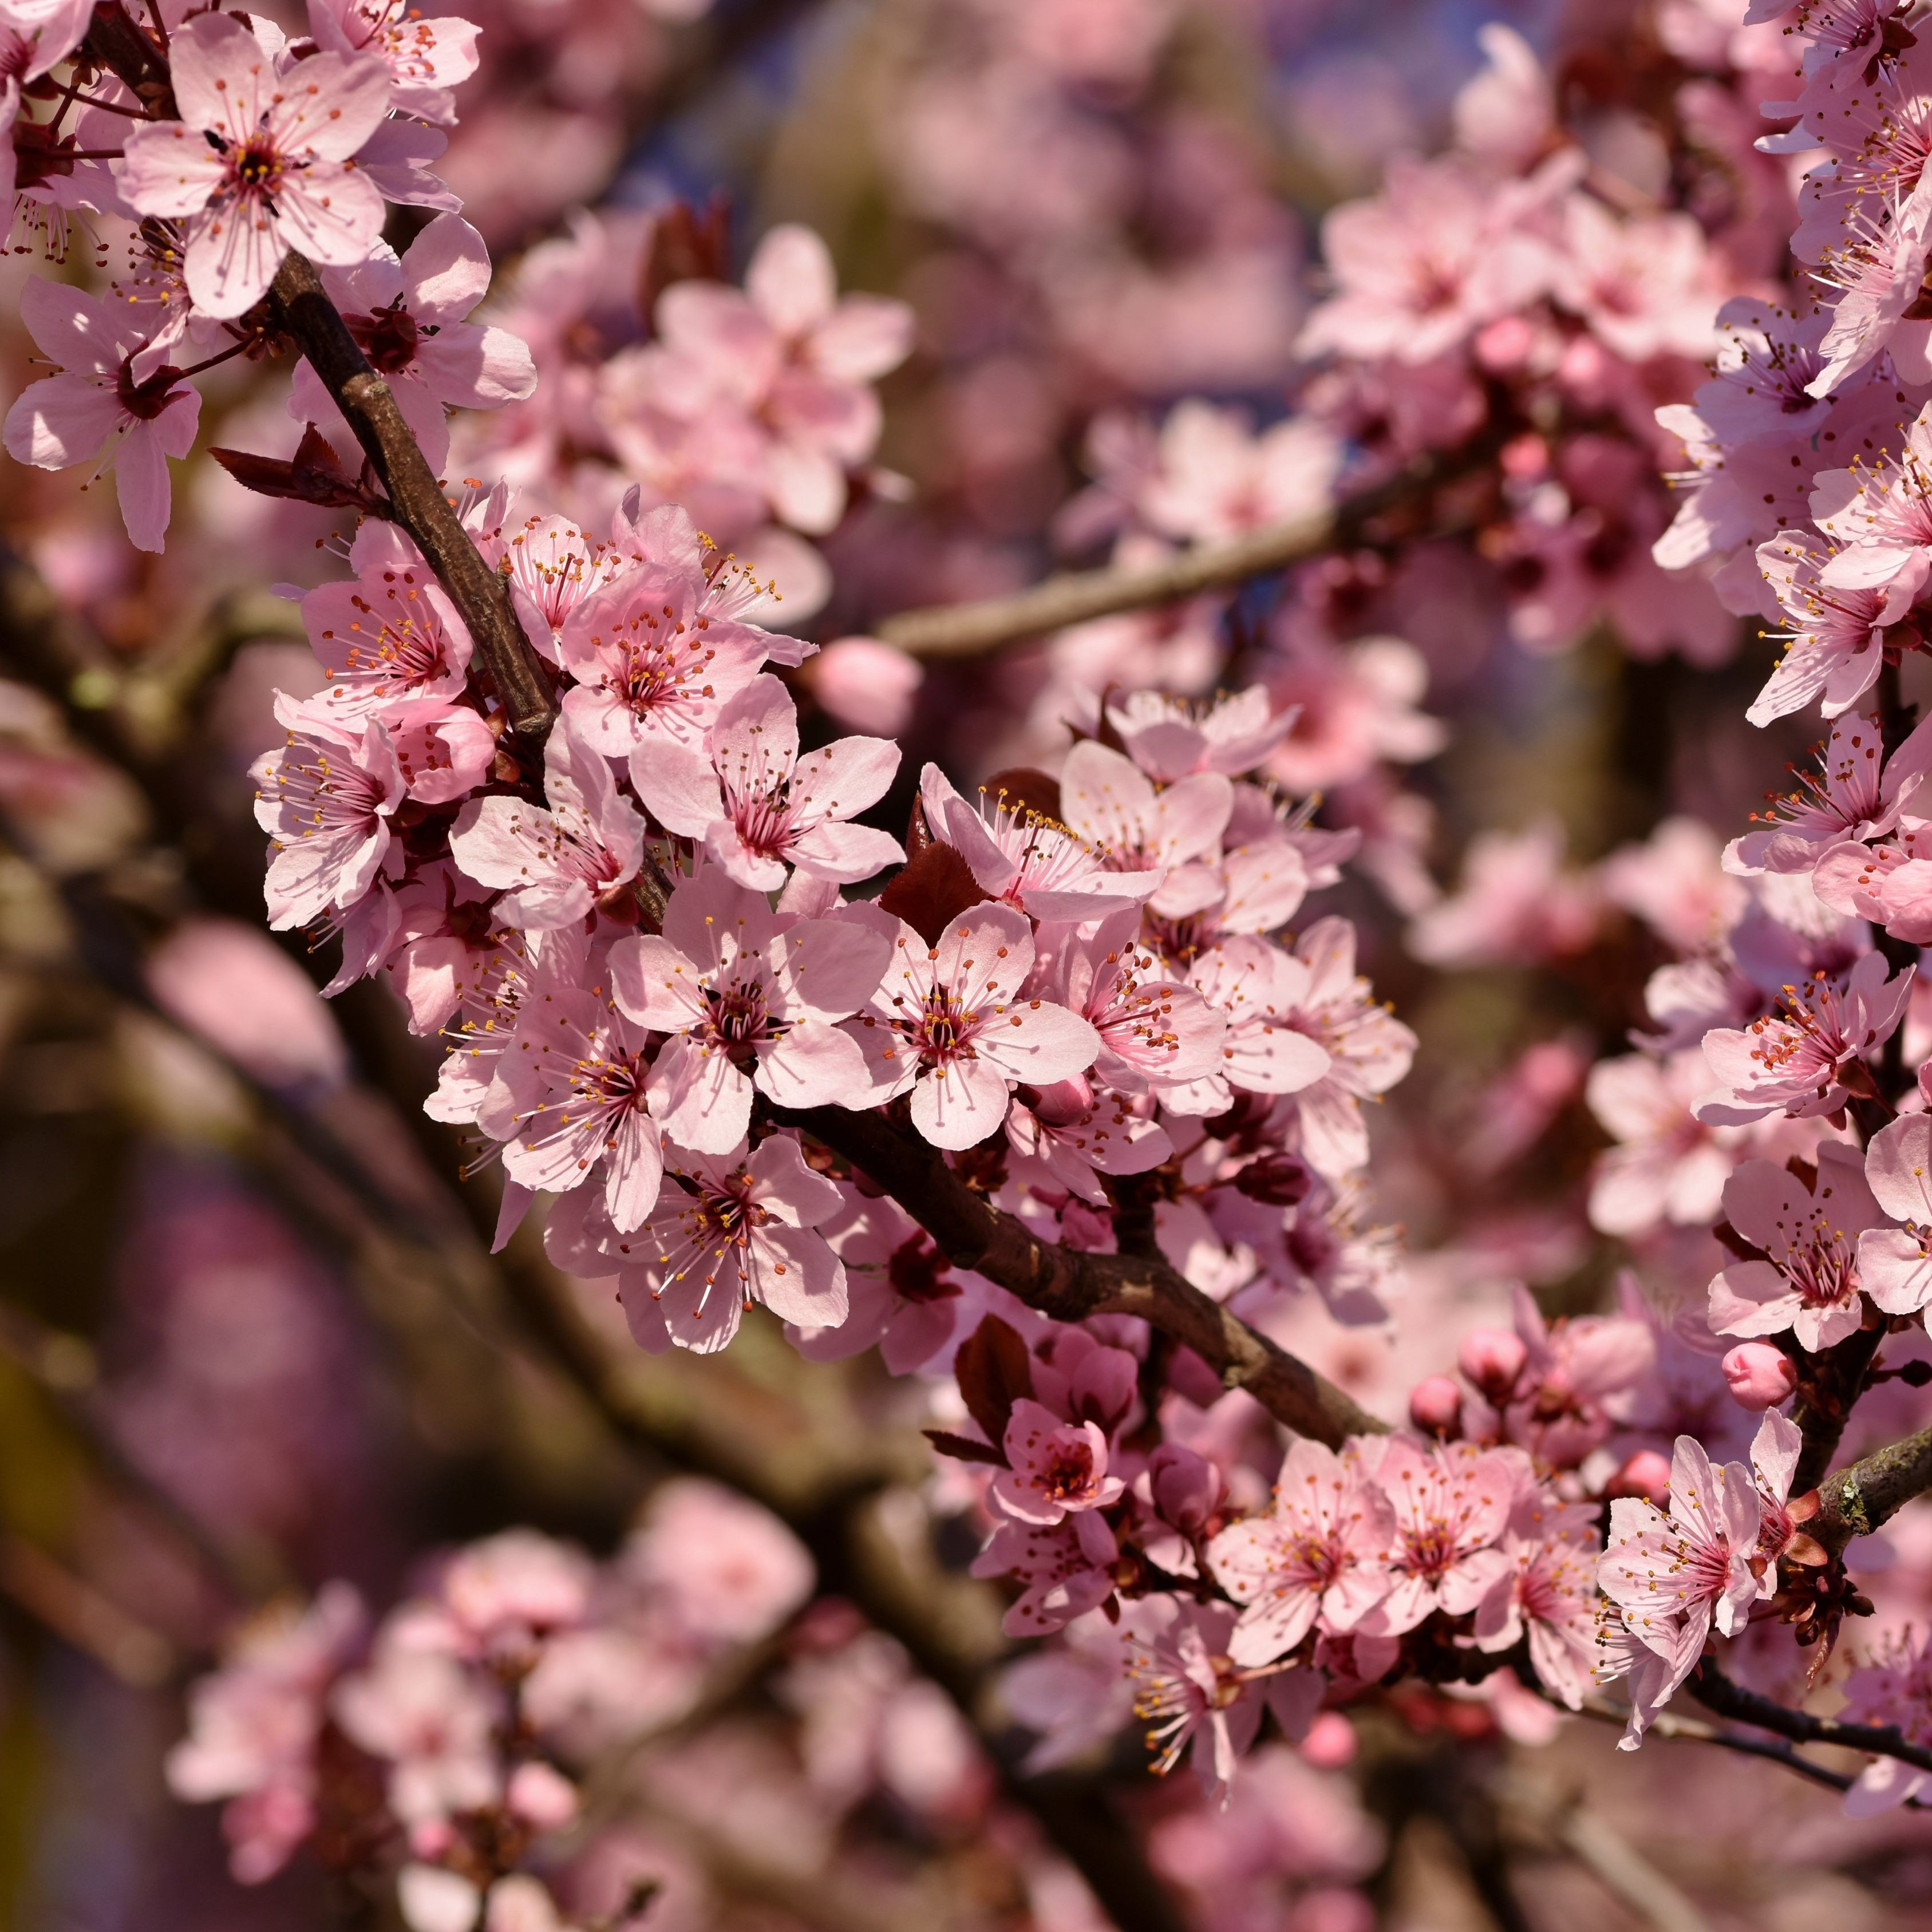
949 1023
1517 905
1673 1578
1809 1281
1113 805
327 799
1667 1165
652 666
1369 1049
568 1097
1031 861
1548 1594
1834 646
1194 1698
759 807
1894 1264
1855 795
433 1721
552 866
1800 1060
728 1232
1213 478
388 637
94 401
1450 1505
1894 1690
252 1726
1258 989
1155 1033
427 57
1169 738
1064 1569
1880 518
748 999
1318 1551
1055 1468
409 316
260 161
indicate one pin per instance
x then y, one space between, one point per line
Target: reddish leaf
314 475
994 1370
963 1447
688 245
932 889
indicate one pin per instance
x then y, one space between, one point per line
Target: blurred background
250 1339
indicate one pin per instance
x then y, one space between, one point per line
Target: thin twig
1077 597
1694 1730
81 1617
1716 1692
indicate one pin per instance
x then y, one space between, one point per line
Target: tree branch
1716 1692
305 312
1858 1500
1069 1285
1076 597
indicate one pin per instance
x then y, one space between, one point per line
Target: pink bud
542 1797
868 686
1331 1741
1492 1358
430 1837
1436 1407
1646 1473
1760 1375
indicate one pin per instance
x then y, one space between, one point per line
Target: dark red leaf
932 889
994 1371
963 1447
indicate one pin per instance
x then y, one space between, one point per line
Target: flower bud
541 1796
1760 1375
1436 1407
1646 1473
1492 1358
1331 1741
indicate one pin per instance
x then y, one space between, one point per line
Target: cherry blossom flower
1071 1131
1054 1469
1155 1033
1422 266
759 807
1894 1690
1065 1569
1318 1553
252 1726
326 800
434 1721
1548 1594
1212 477
1113 805
1809 1282
408 316
748 999
1259 988
568 1100
1194 1698
948 1022
1169 738
1857 794
95 401
1517 904
1450 1505
426 58
260 161
1033 862
389 636
1643 286
1894 1264
1350 709
1834 646
790 353
1673 1578
1799 1061
553 866
506 1594
728 1232
552 567
1879 272
1369 1049
652 665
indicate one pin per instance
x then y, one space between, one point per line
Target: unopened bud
1759 1375
1436 1407
542 1796
1646 1473
1492 1358
1331 1741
